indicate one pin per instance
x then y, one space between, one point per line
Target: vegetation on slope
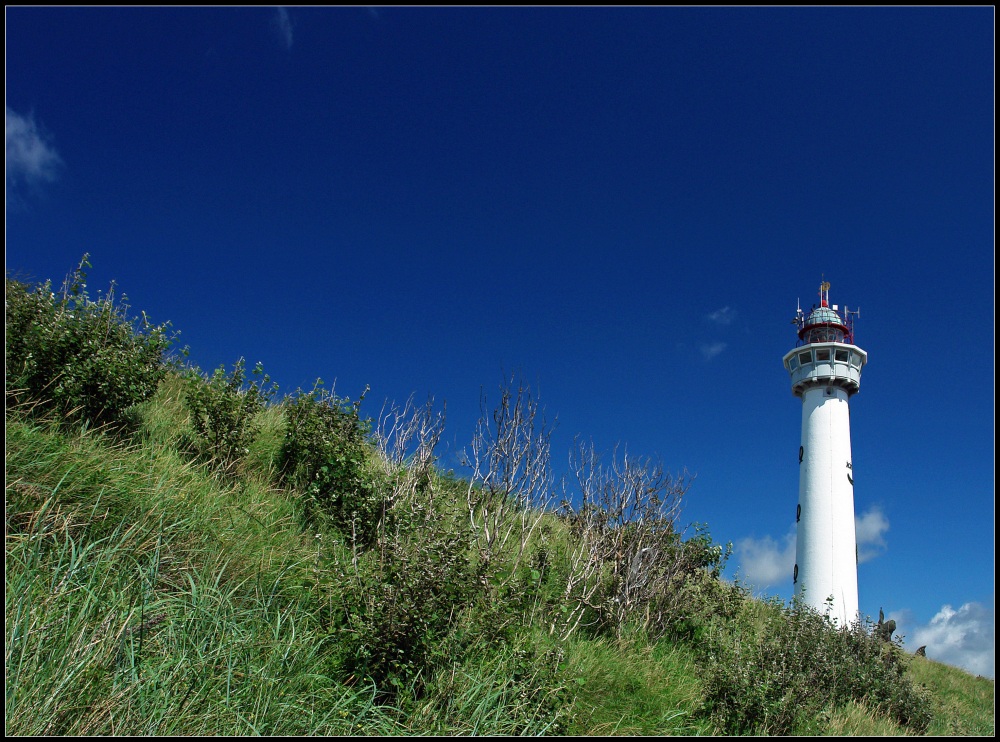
184 555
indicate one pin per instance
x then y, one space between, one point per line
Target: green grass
144 595
147 595
963 704
631 687
857 720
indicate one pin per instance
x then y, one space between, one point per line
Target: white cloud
283 23
711 350
869 528
30 159
766 561
724 316
964 638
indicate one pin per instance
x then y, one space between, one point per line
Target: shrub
84 360
630 563
777 669
408 595
405 600
326 456
223 409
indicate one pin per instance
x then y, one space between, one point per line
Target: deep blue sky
622 205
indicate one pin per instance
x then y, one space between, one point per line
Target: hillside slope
200 559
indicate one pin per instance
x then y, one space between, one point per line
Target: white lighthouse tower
825 368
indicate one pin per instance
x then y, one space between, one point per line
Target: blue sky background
622 205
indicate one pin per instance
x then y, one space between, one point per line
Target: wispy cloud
869 528
766 561
283 24
964 638
719 318
31 160
723 317
711 350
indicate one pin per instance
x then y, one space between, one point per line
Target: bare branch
510 486
406 438
628 550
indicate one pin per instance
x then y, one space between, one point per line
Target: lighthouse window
793 363
795 574
855 360
805 357
822 355
840 355
798 513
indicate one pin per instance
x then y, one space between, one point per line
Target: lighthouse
825 369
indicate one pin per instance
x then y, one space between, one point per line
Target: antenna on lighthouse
850 316
798 319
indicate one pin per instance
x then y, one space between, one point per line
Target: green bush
405 601
83 360
325 455
778 669
222 410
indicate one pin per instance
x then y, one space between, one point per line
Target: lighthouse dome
823 316
823 325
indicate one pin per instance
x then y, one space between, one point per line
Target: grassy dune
203 561
144 595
